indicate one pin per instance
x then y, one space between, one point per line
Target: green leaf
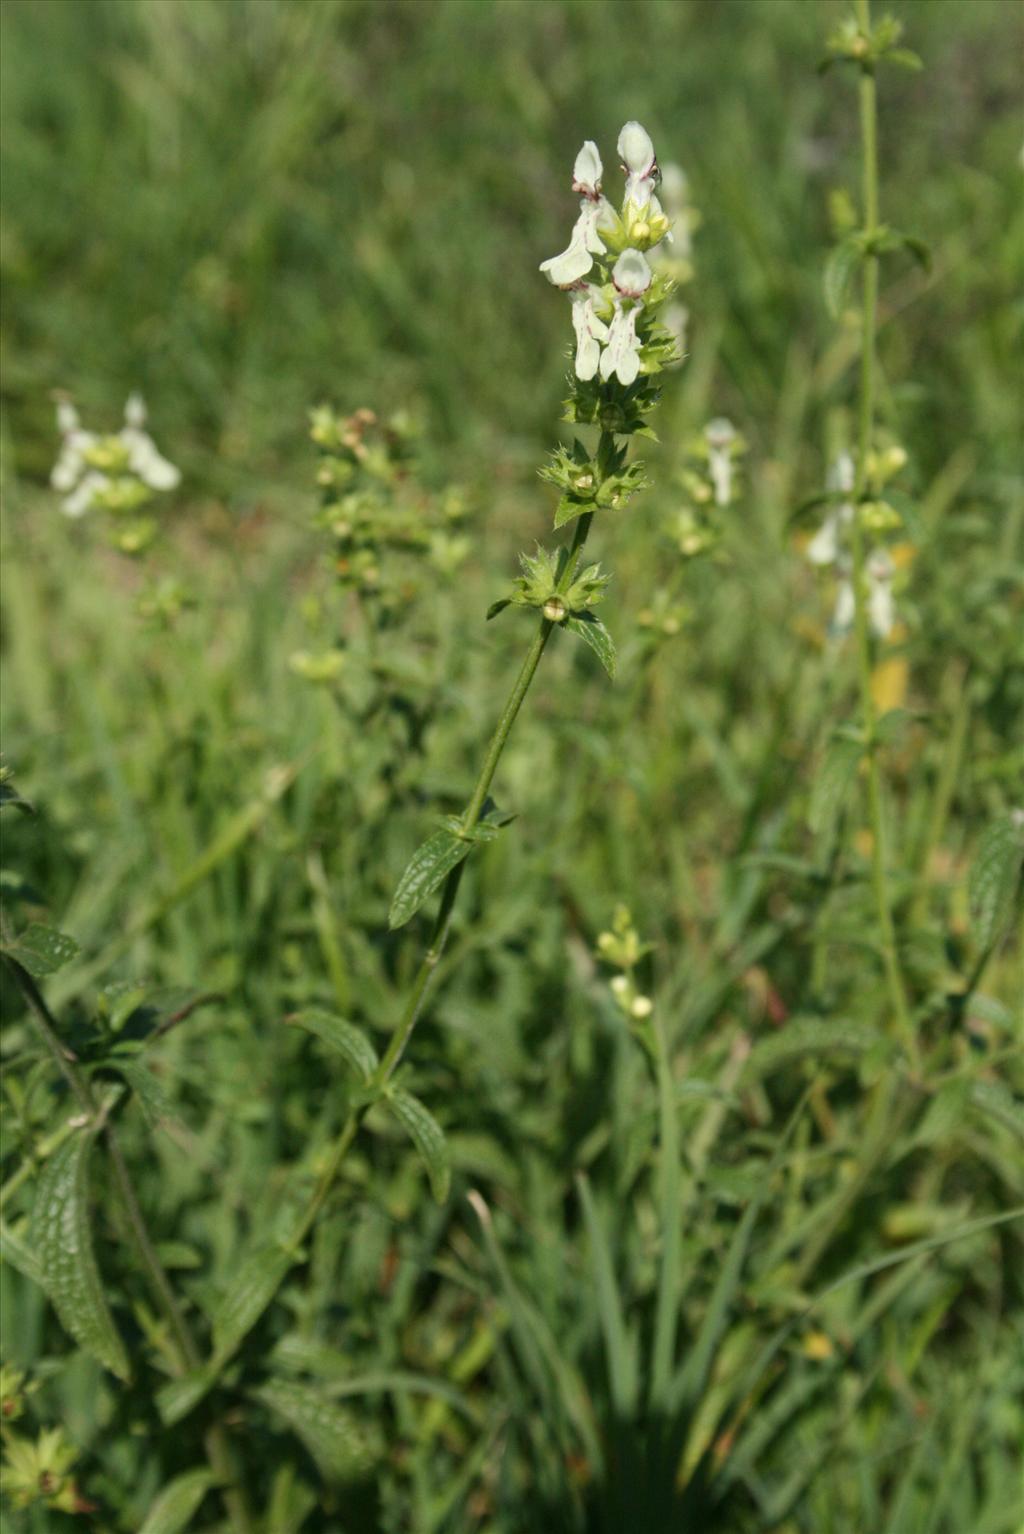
944 1115
254 1286
569 508
903 58
999 1103
428 867
257 1281
498 607
995 872
839 268
11 799
175 1506
893 725
291 1502
20 1257
920 250
354 1047
178 1397
62 1240
619 1346
427 1136
809 1037
41 950
343 1448
593 631
150 1095
831 786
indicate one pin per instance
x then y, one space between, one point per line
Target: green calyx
544 585
851 43
592 484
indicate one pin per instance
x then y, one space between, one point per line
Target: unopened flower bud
636 149
554 609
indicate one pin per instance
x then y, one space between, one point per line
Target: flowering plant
832 544
118 473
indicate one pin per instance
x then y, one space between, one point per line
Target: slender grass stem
866 421
218 1449
667 1306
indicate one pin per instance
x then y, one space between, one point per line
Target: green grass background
242 207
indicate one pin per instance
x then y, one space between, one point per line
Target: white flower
826 545
621 356
881 608
587 171
676 319
843 612
67 418
584 244
75 442
720 435
135 410
632 277
590 331
842 474
144 459
631 274
636 152
83 498
675 189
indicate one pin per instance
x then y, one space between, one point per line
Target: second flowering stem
866 421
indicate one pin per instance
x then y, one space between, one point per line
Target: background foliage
243 208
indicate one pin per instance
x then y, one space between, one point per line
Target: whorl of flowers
380 521
605 269
831 544
616 296
119 473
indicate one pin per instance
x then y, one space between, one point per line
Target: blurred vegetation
244 207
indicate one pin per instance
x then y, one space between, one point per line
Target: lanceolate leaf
354 1047
255 1284
252 1289
427 1136
178 1397
42 950
593 631
149 1092
62 1241
839 268
343 1448
831 786
809 1037
429 866
994 877
995 1100
176 1505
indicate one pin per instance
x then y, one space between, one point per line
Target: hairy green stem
865 433
427 970
189 1356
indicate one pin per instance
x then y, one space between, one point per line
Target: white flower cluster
118 472
827 547
605 313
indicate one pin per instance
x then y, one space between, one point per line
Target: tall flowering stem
621 345
861 587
